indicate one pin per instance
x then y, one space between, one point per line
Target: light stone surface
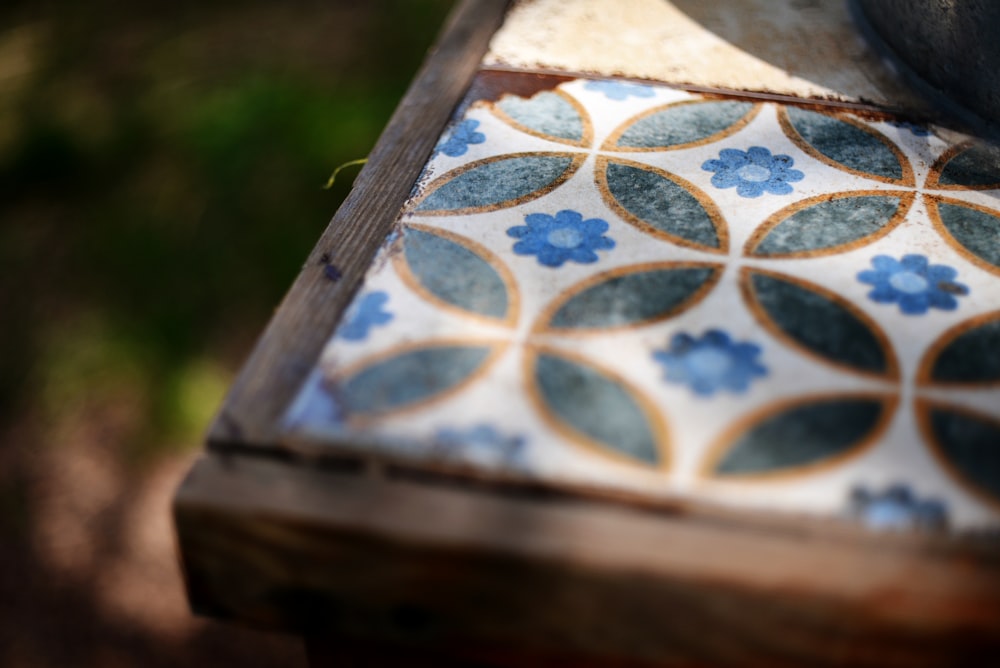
803 48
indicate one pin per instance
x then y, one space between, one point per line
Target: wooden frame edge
343 554
283 355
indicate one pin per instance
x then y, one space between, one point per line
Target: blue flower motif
481 442
896 509
565 236
458 142
365 314
913 283
619 90
917 130
711 363
753 172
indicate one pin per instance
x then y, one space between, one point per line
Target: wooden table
308 513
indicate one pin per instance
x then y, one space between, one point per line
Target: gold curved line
750 297
793 134
405 272
713 211
723 444
922 408
654 419
336 379
932 202
611 143
924 370
541 324
577 160
905 202
934 176
588 129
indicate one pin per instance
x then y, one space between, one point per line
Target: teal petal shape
661 205
409 377
682 124
975 167
595 407
968 357
803 434
546 113
454 273
642 295
848 145
974 228
830 224
820 323
970 444
494 183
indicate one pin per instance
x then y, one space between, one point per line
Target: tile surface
636 288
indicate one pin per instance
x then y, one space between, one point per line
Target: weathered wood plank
310 310
350 555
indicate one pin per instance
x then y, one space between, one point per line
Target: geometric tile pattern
636 288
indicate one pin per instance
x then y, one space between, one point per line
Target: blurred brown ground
160 173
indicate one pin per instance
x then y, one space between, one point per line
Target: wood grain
568 582
306 318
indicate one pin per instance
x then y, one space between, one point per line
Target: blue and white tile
682 297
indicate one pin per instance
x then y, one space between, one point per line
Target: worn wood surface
292 341
355 555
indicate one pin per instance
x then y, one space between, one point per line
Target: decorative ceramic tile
635 288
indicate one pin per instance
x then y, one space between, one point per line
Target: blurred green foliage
160 186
